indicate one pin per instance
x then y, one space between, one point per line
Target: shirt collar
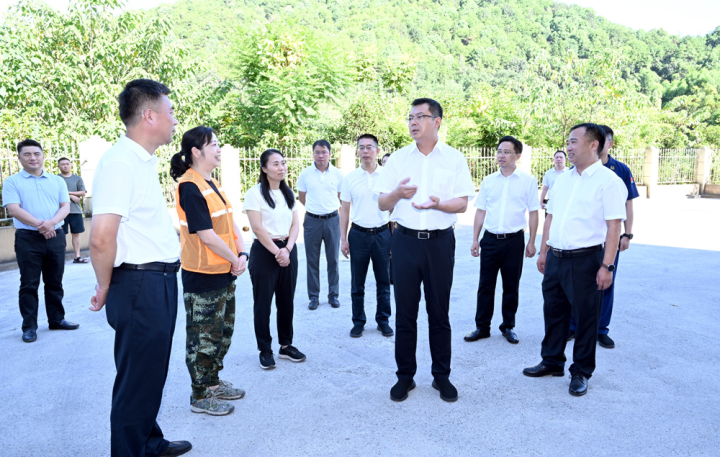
330 167
439 146
143 154
25 174
592 168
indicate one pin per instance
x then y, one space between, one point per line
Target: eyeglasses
366 148
504 152
419 117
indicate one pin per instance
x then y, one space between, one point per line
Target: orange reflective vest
195 255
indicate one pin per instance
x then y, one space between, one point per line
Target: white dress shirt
580 205
506 199
276 221
126 183
551 175
321 189
443 173
357 188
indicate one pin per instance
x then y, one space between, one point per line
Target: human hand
239 267
542 258
604 278
46 226
74 199
345 248
543 205
98 300
404 191
624 243
530 251
430 204
475 249
283 257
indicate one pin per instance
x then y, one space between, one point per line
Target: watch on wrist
629 236
609 268
247 256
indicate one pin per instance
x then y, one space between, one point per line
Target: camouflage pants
210 325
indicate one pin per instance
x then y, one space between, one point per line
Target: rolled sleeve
613 199
533 202
463 182
112 190
10 193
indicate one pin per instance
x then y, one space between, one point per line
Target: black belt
325 216
423 234
502 236
576 252
152 266
371 231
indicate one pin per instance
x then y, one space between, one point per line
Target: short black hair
368 136
28 142
593 131
387 154
323 143
135 97
560 150
608 131
435 108
517 144
63 158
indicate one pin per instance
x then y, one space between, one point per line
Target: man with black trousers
426 183
135 252
580 239
502 201
38 202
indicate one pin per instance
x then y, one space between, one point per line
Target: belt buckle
502 236
557 252
372 231
423 235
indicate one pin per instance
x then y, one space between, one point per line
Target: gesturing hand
404 191
430 204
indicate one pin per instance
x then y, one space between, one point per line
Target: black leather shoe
334 302
541 369
477 334
578 385
29 335
448 392
605 341
357 330
313 304
571 336
400 390
510 336
63 325
177 448
385 329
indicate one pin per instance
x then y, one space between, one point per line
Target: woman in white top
272 211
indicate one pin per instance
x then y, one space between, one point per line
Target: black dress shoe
385 329
334 302
357 330
541 369
510 336
313 304
29 335
400 390
477 334
448 392
177 448
578 385
605 341
63 325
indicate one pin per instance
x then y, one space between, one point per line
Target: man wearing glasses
501 204
319 191
369 236
426 184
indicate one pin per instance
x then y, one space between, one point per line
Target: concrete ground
654 394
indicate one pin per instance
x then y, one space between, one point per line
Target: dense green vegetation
289 71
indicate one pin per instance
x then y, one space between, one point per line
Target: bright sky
686 17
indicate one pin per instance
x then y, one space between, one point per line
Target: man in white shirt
501 204
369 236
559 158
319 191
425 184
586 207
135 253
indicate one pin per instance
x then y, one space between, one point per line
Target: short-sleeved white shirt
357 188
443 173
551 175
506 199
276 221
126 183
580 205
321 189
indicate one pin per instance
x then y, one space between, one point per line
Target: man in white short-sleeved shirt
425 184
369 236
504 198
580 240
559 159
135 253
319 191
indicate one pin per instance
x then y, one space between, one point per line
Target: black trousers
37 256
430 263
269 278
505 256
570 288
363 248
142 308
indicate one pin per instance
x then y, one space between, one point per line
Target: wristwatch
247 256
629 236
609 268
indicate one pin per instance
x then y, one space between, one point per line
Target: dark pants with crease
607 304
363 248
430 263
37 256
318 231
569 288
504 256
269 278
142 309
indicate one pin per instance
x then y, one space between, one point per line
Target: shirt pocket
443 183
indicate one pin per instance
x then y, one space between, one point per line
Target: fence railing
677 166
715 168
